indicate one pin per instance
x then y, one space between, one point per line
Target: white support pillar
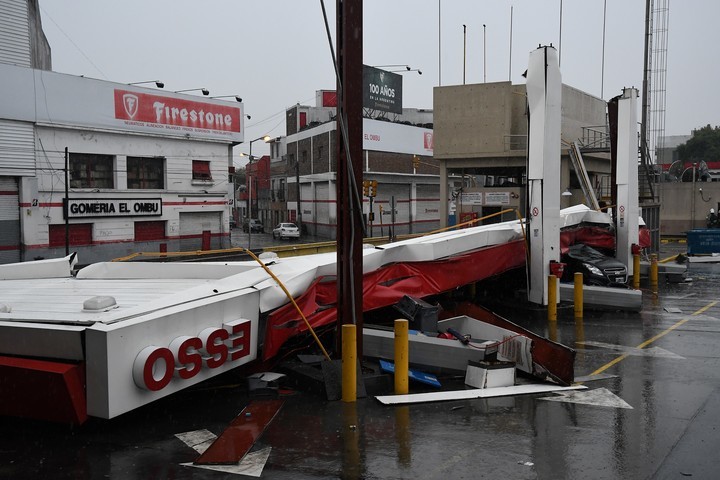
628 208
544 89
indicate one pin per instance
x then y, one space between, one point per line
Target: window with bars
90 170
147 173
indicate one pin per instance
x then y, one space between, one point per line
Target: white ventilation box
490 374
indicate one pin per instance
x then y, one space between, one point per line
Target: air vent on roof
101 302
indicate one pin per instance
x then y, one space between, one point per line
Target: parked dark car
596 267
253 225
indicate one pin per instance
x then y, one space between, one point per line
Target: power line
74 44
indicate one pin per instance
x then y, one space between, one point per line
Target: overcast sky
275 53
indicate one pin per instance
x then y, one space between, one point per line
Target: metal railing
595 137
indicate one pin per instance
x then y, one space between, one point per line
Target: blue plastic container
703 241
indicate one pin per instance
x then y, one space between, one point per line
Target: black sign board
111 207
382 90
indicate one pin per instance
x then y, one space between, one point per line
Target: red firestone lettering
171 115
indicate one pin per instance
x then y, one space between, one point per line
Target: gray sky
274 53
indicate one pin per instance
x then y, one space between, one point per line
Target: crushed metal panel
551 360
473 393
125 359
516 347
599 397
438 353
242 433
50 268
614 298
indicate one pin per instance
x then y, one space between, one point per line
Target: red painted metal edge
232 445
387 285
550 359
43 390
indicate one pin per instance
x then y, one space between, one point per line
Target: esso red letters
155 366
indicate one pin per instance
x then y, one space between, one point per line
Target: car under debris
597 268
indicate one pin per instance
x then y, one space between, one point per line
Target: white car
286 230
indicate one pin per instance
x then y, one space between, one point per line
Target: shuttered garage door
193 224
9 221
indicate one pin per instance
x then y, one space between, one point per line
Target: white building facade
146 170
397 155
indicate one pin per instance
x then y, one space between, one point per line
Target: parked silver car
286 230
253 225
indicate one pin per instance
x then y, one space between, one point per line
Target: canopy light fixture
204 91
157 83
237 98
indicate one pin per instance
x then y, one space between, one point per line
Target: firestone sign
178 114
113 207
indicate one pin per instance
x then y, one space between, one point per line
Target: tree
704 145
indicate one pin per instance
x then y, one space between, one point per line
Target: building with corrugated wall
102 168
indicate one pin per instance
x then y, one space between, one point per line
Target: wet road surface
664 363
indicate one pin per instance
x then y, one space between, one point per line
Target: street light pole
264 138
484 55
298 216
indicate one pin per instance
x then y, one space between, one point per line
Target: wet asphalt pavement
663 362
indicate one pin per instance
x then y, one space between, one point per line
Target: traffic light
366 188
416 161
373 188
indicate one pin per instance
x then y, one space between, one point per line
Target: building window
79 234
152 230
201 170
146 173
88 170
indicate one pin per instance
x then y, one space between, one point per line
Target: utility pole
350 226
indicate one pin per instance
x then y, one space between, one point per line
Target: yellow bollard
636 271
654 273
552 298
578 290
401 357
349 363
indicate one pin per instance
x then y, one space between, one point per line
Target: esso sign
155 366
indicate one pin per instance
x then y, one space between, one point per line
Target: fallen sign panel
473 393
232 445
613 298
